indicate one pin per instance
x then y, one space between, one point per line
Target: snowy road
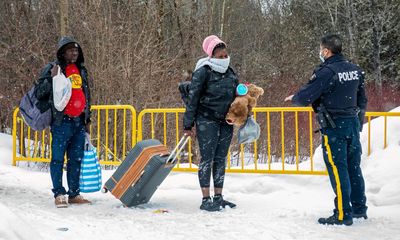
269 207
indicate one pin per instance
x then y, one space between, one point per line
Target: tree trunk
376 48
64 18
221 32
350 12
160 20
210 24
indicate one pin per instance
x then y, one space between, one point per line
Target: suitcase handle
179 147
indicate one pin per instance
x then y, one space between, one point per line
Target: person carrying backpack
211 92
68 127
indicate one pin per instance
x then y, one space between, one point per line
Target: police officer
337 94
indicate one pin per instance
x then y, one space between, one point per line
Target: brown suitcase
143 170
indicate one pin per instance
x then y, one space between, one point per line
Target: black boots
333 220
360 215
218 199
208 205
215 204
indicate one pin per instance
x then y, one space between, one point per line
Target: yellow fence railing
288 149
286 144
159 127
112 132
385 115
258 157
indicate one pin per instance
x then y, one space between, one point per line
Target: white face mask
220 64
321 57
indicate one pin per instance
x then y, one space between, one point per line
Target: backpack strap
45 70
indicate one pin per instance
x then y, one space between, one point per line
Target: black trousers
214 139
342 155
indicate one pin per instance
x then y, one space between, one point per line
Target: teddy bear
242 106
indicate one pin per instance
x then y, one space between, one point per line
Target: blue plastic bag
249 132
90 177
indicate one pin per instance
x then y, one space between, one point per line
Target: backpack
184 88
31 114
184 91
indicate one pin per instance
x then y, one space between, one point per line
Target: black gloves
361 115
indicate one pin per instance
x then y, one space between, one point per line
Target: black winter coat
44 85
210 94
338 85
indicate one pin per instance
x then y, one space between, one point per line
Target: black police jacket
210 94
338 85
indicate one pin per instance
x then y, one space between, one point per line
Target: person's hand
289 98
189 133
54 70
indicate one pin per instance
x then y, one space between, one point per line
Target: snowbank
5 149
381 169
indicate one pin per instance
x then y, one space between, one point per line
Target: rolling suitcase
143 170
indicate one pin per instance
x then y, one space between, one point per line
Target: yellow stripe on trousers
337 180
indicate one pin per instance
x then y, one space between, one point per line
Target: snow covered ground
269 206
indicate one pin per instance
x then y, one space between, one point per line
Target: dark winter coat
210 94
44 85
338 85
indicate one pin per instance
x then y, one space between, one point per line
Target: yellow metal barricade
242 159
158 127
287 133
112 132
385 115
277 151
286 144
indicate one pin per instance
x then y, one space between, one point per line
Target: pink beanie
209 44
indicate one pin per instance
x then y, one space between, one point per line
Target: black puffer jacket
211 94
44 85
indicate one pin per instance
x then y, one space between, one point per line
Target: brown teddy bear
242 106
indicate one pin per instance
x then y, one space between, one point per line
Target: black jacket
44 85
338 85
210 94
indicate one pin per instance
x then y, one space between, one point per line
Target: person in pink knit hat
210 43
211 92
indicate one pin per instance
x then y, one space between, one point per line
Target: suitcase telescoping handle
174 154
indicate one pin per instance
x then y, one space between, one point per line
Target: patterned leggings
214 139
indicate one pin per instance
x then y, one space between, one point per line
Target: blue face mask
321 57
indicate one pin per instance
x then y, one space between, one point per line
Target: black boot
333 220
360 215
208 205
218 199
359 211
